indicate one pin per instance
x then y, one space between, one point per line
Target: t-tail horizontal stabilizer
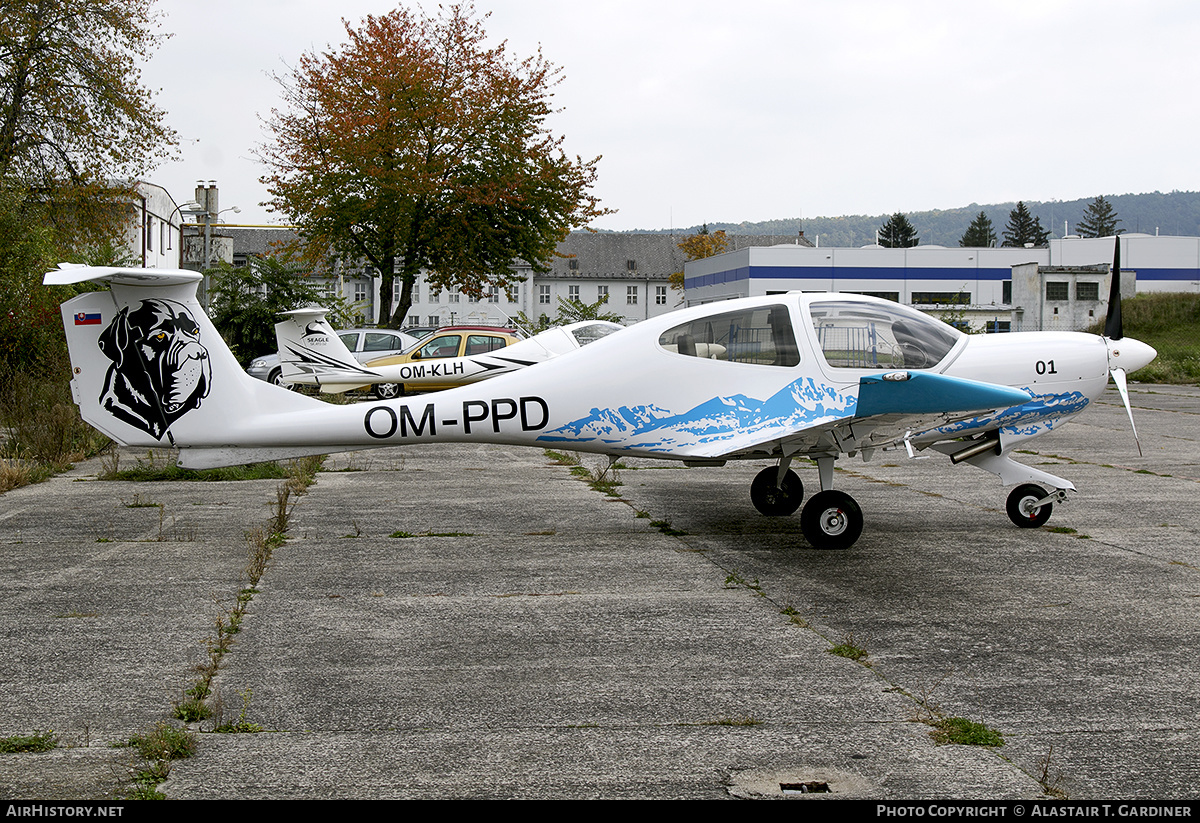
149 368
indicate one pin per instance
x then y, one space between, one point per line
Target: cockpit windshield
856 335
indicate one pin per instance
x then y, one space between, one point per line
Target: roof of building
584 255
613 255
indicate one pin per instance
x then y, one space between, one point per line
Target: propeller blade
1112 323
1118 376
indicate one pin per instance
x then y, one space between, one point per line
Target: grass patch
562 458
36 742
148 474
963 732
401 534
1167 322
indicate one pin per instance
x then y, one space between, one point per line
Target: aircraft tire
1020 498
772 501
387 391
831 520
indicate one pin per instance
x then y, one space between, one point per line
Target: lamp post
190 207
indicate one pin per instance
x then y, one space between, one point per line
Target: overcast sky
756 110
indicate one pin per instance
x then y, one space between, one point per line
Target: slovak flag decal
87 319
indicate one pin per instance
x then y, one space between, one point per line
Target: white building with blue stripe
975 283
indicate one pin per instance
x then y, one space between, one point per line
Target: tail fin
311 353
150 369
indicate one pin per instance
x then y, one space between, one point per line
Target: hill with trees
1173 213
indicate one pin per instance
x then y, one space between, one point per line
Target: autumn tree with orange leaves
416 146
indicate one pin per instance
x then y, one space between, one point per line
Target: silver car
365 344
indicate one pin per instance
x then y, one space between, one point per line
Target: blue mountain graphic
798 405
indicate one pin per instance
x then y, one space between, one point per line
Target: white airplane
311 353
776 378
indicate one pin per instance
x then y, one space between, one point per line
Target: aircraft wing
806 415
889 409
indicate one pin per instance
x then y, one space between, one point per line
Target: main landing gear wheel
773 501
1022 506
387 391
831 520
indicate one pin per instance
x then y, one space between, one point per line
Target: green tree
1023 229
73 115
416 146
1099 220
246 302
898 233
697 247
569 311
981 233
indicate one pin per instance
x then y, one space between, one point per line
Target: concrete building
153 234
976 286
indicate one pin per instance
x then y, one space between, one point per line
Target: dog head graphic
160 370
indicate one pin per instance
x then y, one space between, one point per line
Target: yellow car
444 359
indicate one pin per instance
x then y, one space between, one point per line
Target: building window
630 265
1006 292
631 295
453 296
149 233
398 287
894 296
1057 291
432 320
999 326
573 264
920 298
660 295
493 294
602 294
1087 291
544 294
360 291
573 293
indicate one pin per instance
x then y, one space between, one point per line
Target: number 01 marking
1046 367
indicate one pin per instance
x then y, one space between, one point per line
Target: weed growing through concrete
157 748
241 725
735 580
1050 778
666 528
850 648
261 543
740 720
36 742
